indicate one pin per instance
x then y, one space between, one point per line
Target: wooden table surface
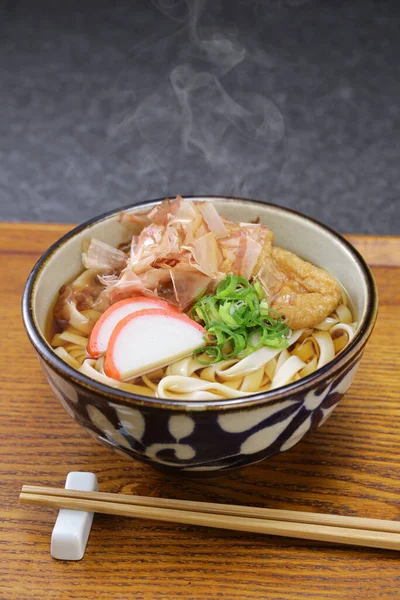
351 466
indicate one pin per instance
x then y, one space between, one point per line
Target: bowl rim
107 393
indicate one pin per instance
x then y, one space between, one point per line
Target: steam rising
206 109
208 113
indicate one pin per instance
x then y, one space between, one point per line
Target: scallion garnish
238 321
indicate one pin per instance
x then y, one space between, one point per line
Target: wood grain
351 466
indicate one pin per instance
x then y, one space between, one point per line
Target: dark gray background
290 101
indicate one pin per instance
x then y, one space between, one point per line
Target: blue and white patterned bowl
202 438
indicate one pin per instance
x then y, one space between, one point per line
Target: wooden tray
351 466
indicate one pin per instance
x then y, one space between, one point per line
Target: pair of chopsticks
374 533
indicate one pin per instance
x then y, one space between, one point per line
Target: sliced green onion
238 321
213 352
259 291
226 317
227 286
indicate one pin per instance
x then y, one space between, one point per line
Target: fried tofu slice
299 291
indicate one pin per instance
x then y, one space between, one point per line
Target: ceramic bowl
204 437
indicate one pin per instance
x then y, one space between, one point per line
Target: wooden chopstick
227 509
328 528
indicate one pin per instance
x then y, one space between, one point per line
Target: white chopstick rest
72 528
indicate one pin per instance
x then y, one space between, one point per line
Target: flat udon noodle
237 377
187 379
88 368
265 369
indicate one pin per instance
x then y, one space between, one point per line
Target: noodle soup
197 307
162 334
